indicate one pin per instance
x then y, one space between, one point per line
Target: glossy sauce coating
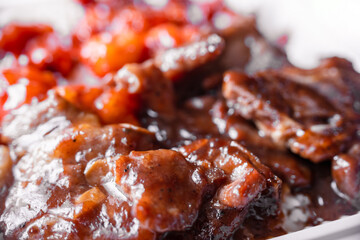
149 122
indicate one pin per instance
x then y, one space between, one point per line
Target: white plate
346 228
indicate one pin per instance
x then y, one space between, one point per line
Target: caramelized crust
170 122
298 118
345 171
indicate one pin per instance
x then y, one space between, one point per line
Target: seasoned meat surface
84 169
298 118
5 165
335 79
345 171
55 177
177 61
161 202
284 164
30 124
178 121
237 180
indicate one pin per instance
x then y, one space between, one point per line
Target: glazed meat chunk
5 165
174 63
287 166
334 79
155 91
293 114
151 121
55 179
206 116
237 180
29 124
165 188
346 173
5 174
64 173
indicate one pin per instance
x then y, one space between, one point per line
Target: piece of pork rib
5 167
208 116
26 126
176 62
155 91
238 46
100 182
289 167
237 180
293 114
61 178
346 173
5 174
335 79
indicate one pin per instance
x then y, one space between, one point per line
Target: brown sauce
147 123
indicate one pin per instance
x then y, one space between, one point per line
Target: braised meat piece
155 91
207 116
54 180
144 123
336 80
174 63
289 167
5 167
238 180
166 190
346 173
78 170
29 124
299 118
